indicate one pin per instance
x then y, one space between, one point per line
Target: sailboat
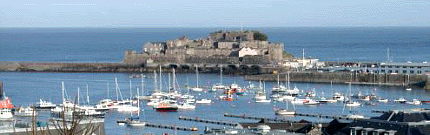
294 91
260 96
219 86
197 88
285 111
134 122
351 103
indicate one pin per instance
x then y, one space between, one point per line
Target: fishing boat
45 105
203 101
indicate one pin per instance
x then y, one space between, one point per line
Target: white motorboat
186 105
25 112
5 113
203 101
383 100
311 102
400 100
197 89
325 100
352 104
127 108
262 101
414 102
338 97
45 105
408 89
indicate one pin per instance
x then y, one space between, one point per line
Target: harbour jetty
9 66
347 77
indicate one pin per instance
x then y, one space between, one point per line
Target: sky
214 13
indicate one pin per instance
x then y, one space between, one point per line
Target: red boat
166 107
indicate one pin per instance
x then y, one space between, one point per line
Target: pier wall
345 77
131 68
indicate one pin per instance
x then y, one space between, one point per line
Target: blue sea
109 44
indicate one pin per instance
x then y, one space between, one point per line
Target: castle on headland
221 47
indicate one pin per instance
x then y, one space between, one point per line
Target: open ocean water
109 44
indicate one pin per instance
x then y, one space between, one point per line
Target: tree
260 36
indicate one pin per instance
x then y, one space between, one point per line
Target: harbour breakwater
134 68
418 81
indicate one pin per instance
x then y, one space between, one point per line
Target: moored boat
166 107
45 105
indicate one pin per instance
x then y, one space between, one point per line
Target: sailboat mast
141 77
107 90
169 83
174 79
220 78
88 97
78 95
62 91
288 80
130 90
155 81
138 102
197 73
161 83
116 89
278 82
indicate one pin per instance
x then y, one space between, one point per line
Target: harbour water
26 88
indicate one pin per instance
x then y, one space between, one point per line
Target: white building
310 63
247 51
290 64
